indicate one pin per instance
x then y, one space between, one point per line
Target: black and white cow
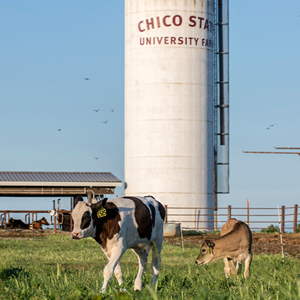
119 224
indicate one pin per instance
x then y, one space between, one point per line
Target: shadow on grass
10 272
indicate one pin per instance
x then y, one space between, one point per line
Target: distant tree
271 229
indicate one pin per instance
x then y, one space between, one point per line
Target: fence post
215 220
54 223
282 218
166 216
229 212
71 209
295 218
248 211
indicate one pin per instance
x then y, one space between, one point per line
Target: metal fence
286 218
33 215
30 215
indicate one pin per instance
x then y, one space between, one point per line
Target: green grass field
57 267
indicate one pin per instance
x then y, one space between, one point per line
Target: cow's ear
77 199
99 204
210 243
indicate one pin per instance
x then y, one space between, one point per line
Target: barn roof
56 183
63 178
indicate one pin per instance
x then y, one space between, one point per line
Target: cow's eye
203 250
87 218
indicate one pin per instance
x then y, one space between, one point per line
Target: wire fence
198 218
208 218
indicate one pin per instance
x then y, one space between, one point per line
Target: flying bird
270 126
96 110
97 157
105 121
112 109
86 78
59 129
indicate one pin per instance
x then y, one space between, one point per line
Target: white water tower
169 102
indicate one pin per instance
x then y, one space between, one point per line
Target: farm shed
55 184
60 184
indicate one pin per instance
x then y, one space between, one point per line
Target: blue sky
49 47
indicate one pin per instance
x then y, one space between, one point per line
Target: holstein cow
16 223
233 245
122 223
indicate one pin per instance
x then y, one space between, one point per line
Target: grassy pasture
57 267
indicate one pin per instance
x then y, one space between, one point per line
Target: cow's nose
196 262
75 235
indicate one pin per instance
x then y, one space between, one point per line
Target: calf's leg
119 274
247 266
118 270
156 249
114 261
142 254
238 268
232 267
227 267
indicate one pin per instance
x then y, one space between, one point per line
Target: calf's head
10 222
44 221
83 217
206 252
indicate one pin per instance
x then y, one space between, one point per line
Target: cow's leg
118 271
238 268
114 259
232 267
156 259
227 267
247 266
119 275
142 255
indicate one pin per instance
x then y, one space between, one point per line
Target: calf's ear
77 199
210 243
99 204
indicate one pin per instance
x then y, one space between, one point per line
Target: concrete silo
169 108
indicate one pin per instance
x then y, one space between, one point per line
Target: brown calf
233 245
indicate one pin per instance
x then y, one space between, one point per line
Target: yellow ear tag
101 212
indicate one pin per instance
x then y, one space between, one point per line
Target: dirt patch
263 243
26 233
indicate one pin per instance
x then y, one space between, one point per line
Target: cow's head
206 252
10 222
83 216
44 221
